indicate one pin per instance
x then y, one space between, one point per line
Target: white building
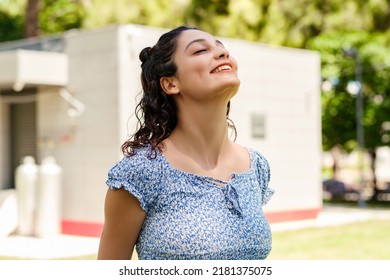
73 97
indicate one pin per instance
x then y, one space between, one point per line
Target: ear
169 85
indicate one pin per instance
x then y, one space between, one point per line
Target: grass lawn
367 240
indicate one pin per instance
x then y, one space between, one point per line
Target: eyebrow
201 41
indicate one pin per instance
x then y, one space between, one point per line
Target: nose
222 53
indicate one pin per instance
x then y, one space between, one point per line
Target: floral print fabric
197 217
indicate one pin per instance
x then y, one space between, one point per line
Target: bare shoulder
121 201
241 155
121 209
240 150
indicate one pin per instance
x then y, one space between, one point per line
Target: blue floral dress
197 217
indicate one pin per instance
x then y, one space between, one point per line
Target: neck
202 132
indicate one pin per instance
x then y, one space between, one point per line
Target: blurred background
315 100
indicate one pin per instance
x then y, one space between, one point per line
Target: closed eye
200 51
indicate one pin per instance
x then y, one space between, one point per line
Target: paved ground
66 246
333 216
58 247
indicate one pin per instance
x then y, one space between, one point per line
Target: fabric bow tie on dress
231 197
230 193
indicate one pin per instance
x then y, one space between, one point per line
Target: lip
222 64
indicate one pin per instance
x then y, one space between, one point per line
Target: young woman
184 190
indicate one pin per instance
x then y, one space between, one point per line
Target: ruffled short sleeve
264 176
138 176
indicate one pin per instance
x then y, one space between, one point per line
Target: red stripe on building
82 228
294 215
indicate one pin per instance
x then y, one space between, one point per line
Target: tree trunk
372 153
31 23
335 152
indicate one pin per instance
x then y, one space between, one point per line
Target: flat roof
20 68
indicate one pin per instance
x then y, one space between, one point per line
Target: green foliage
199 12
55 16
338 106
11 20
59 15
13 7
200 9
288 22
11 26
159 13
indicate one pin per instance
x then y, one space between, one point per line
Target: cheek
234 61
193 71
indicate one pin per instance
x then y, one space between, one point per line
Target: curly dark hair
156 112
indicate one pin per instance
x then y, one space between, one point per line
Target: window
258 126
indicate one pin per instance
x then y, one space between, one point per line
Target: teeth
221 68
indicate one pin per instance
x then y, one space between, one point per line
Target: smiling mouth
222 68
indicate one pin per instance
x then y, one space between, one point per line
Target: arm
123 221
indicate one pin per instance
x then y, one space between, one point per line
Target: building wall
85 146
283 86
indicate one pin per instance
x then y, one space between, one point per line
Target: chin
230 89
233 83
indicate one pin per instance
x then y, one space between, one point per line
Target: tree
159 13
11 20
338 107
32 18
199 11
11 26
57 16
31 27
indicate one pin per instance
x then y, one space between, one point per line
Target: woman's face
204 67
